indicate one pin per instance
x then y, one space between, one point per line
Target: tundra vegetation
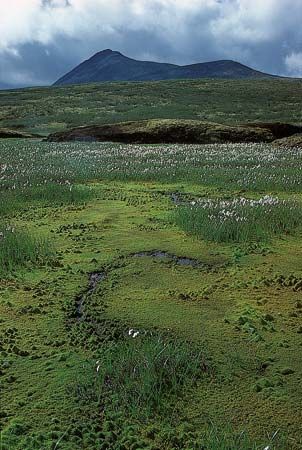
150 295
46 110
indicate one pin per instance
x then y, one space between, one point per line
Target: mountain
109 65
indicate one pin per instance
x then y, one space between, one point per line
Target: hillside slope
47 110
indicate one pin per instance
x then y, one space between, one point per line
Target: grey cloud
52 36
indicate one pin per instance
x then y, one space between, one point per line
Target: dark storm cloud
42 39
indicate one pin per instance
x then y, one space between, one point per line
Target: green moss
48 356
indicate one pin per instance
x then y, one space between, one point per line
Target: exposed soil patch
179 260
94 279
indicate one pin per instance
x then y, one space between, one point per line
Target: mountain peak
107 52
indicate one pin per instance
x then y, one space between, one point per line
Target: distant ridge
109 65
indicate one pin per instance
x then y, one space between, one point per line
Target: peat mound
165 131
278 129
6 133
292 141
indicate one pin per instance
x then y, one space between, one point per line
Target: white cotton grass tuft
133 333
244 166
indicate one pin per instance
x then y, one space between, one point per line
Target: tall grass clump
56 193
19 248
227 439
49 194
143 372
238 220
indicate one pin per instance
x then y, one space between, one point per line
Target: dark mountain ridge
109 65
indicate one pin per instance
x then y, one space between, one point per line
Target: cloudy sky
40 40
